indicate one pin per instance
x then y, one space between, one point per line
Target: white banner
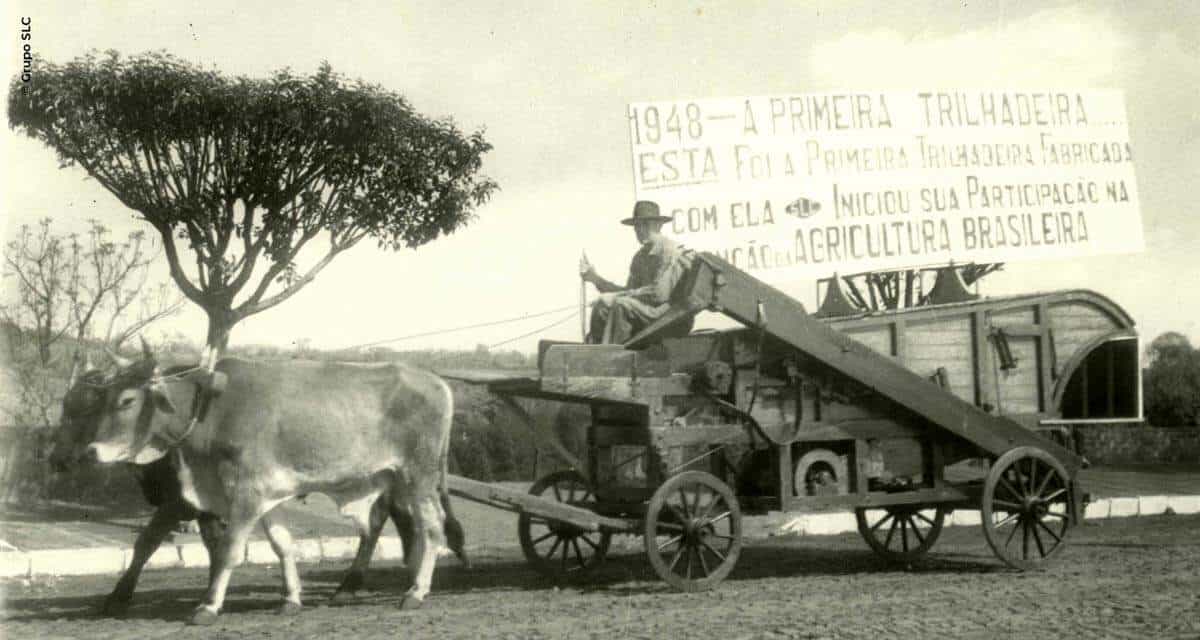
805 185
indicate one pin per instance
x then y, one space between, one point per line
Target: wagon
901 415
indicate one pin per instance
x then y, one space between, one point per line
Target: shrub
1172 382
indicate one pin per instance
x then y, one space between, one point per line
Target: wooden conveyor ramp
717 285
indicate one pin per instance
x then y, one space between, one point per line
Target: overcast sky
550 81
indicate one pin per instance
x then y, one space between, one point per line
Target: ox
161 488
280 430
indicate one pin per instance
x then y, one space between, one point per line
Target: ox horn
117 359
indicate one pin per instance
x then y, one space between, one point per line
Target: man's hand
607 299
586 270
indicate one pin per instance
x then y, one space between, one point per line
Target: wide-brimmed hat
645 211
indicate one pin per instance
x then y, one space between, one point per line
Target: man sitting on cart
621 312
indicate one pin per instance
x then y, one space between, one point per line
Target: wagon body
795 412
1042 359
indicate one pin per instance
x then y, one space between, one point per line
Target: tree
1172 382
247 173
1169 346
63 292
63 287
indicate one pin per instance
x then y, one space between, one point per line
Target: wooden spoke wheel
553 547
693 531
1026 508
901 533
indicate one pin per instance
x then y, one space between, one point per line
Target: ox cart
902 416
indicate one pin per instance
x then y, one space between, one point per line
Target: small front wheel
555 548
901 533
693 531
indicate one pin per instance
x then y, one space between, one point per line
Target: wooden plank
984 376
945 336
1019 330
700 434
875 429
1018 304
615 389
947 494
513 500
937 463
481 376
944 351
1023 314
961 309
877 338
784 469
605 360
1046 377
860 481
1019 387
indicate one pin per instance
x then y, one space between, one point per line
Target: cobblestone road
1127 578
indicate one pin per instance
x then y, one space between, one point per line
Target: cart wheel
698 519
1026 507
900 533
553 547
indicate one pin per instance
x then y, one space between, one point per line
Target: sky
549 83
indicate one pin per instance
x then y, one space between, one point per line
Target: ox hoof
288 608
203 617
410 603
114 608
346 596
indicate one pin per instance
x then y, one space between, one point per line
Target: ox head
117 417
80 409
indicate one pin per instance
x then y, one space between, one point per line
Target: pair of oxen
375 438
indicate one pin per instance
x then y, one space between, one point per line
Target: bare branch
252 307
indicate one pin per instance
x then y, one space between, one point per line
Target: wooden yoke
209 384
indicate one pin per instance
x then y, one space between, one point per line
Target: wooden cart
921 412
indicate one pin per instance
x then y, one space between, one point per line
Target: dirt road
1126 578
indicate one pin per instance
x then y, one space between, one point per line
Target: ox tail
456 537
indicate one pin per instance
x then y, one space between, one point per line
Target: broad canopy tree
1172 381
245 174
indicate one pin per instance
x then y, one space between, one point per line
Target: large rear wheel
555 548
693 531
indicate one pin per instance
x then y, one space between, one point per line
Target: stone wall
1137 443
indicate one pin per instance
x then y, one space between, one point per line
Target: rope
178 375
465 327
535 331
424 334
